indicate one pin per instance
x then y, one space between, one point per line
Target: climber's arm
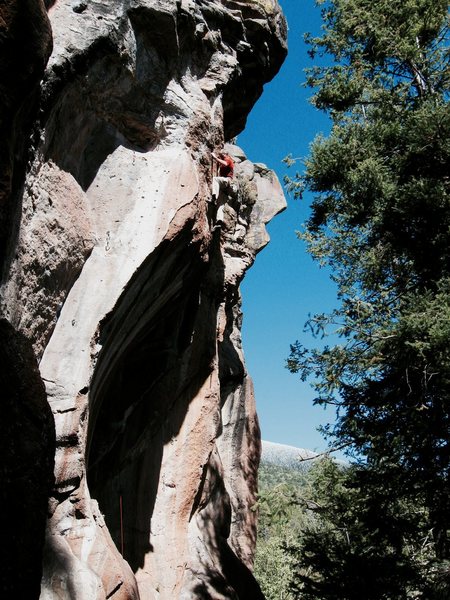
219 160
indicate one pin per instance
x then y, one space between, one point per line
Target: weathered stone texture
130 295
25 45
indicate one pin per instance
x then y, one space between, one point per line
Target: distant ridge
289 457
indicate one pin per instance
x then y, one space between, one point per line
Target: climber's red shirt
228 169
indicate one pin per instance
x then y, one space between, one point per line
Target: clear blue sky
284 285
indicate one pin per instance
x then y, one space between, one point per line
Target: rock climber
226 164
222 185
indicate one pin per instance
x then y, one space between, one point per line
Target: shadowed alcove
158 346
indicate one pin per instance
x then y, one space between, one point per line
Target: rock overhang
230 48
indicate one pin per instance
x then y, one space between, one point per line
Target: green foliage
381 220
387 54
337 533
361 544
270 475
283 515
274 569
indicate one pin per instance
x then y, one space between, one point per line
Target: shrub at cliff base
283 515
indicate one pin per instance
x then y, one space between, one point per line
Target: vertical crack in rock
130 295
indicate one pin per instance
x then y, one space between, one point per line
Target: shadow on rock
27 446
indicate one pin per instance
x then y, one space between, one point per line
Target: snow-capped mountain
285 456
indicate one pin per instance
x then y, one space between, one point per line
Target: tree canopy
381 220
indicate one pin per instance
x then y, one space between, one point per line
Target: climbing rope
121 524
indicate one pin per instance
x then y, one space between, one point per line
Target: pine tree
381 220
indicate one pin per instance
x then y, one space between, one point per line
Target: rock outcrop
26 459
129 293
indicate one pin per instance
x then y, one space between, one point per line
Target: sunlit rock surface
129 294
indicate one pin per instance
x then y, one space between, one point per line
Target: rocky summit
129 437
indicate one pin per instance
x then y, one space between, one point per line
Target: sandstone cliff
115 274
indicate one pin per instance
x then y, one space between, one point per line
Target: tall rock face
119 274
26 459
